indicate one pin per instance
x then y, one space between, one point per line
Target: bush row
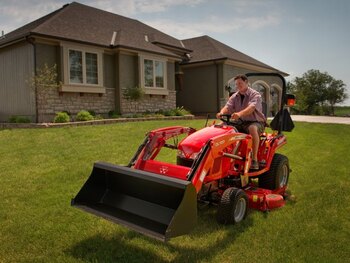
19 119
84 115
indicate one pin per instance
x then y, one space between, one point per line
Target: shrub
61 117
95 115
98 117
92 113
19 119
137 115
69 114
159 112
84 116
114 114
181 111
169 113
321 110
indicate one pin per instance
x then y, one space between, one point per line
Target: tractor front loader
159 199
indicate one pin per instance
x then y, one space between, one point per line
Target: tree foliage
45 78
133 94
315 90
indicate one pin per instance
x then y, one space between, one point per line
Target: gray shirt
251 97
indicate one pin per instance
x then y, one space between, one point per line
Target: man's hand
218 115
235 116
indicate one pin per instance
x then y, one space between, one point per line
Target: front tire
278 175
233 206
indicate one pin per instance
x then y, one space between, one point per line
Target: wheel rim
284 176
240 209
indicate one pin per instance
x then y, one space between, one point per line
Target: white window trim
82 87
153 90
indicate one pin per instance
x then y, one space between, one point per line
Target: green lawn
42 169
342 111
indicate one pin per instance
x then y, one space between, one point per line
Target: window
154 73
75 66
83 67
159 74
91 68
148 66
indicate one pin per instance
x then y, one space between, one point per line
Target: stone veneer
51 101
150 103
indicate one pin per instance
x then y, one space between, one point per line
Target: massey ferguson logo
163 169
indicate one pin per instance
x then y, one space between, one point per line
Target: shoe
254 165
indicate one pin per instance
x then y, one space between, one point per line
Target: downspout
32 42
217 88
117 92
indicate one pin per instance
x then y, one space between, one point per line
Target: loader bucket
155 205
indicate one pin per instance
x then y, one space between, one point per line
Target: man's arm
224 110
236 115
247 111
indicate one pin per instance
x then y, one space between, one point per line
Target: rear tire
278 175
233 206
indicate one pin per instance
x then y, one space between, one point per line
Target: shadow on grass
116 249
202 244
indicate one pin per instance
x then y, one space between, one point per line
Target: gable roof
85 24
206 48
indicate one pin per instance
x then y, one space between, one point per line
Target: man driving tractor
246 105
159 198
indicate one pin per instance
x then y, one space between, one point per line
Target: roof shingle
77 22
85 24
206 48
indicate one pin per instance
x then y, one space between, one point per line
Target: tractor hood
192 144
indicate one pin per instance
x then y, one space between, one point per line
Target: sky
293 36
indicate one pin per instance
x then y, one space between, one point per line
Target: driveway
321 119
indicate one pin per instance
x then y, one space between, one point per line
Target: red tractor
159 199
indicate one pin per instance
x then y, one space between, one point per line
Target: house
211 66
99 55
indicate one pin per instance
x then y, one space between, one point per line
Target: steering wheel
226 118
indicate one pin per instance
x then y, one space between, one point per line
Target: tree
133 94
315 89
44 79
336 93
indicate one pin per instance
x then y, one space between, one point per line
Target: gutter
27 36
14 41
214 61
32 42
110 46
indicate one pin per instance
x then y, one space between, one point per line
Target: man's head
241 83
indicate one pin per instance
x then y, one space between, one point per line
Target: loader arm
155 140
209 162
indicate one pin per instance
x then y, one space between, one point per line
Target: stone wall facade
150 103
51 101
